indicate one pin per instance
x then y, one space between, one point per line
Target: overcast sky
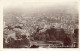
35 3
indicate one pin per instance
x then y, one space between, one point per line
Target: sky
35 3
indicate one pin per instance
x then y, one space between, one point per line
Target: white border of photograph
30 49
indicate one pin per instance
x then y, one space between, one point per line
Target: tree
60 34
67 41
76 33
50 33
11 42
